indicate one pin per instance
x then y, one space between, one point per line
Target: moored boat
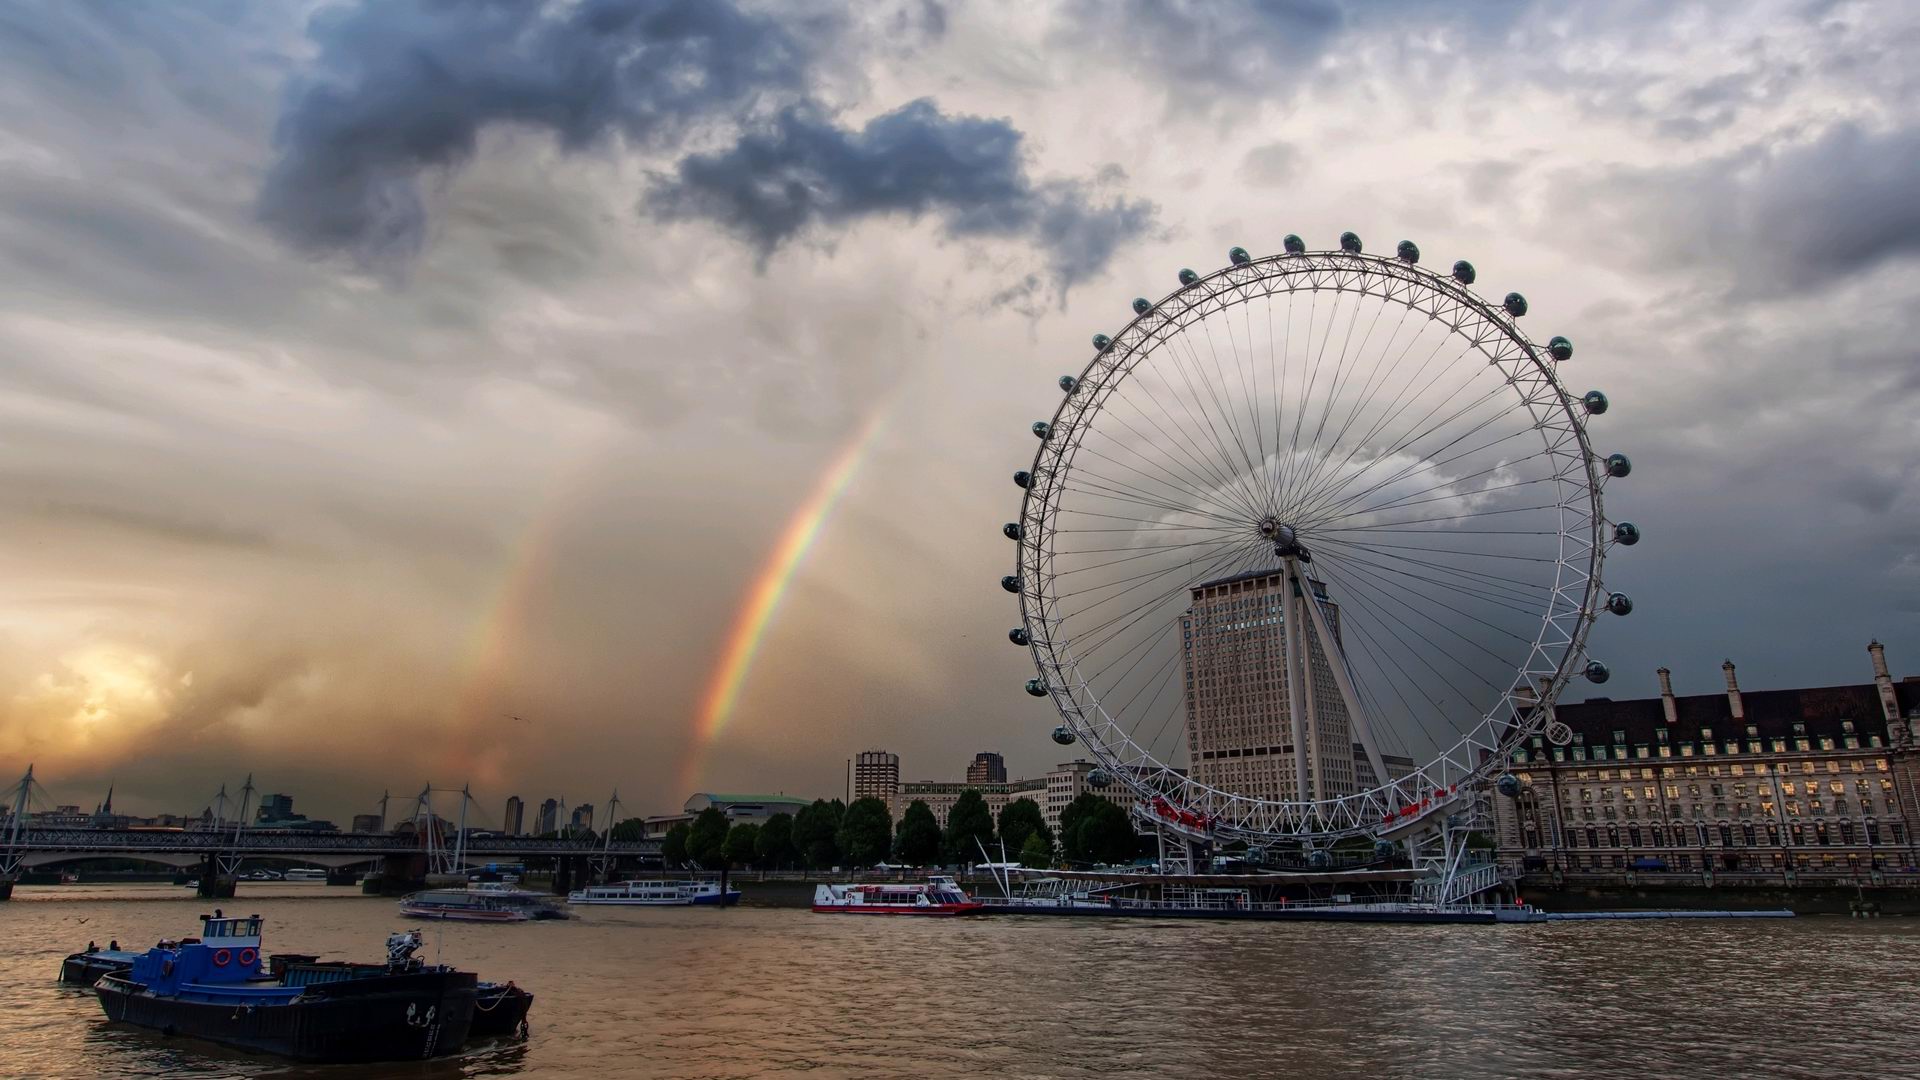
85 968
484 902
657 894
937 896
213 987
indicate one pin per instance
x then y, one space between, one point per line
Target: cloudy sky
406 392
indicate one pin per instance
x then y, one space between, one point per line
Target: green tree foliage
1019 820
673 846
741 847
1037 852
918 841
630 829
708 837
814 830
866 832
774 849
1093 830
969 821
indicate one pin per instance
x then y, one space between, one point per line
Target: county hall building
1758 787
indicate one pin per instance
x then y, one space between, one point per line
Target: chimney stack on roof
1883 682
1666 696
1733 692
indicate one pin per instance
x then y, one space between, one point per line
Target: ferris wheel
1312 544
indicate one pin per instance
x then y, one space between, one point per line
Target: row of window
1727 835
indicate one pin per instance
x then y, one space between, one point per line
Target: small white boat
656 894
304 873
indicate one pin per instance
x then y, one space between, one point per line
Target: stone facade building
1765 786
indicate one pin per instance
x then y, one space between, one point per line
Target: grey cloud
803 170
1773 218
1274 163
399 89
1267 45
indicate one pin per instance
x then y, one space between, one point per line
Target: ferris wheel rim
1519 712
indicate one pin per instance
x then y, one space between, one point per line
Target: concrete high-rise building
1239 721
876 774
549 819
514 821
582 816
987 768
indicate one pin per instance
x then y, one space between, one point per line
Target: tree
1021 819
1037 852
673 846
1096 831
741 846
969 827
631 829
866 832
814 828
708 837
774 848
918 841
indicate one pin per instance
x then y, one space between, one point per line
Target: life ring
247 957
221 957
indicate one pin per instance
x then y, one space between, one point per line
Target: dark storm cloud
803 170
1265 45
1774 217
399 89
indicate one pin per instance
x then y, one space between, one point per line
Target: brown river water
783 992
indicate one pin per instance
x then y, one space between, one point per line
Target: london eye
1311 544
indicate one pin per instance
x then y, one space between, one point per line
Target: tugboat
657 894
939 896
212 987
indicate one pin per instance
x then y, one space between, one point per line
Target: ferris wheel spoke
1527 594
1334 500
1103 488
1224 462
1321 529
1172 486
1199 483
1376 380
1249 479
1391 598
1409 592
1439 463
1150 553
1140 581
1518 604
1350 589
1221 481
1409 499
1334 384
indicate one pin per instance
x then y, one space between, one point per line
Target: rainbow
749 629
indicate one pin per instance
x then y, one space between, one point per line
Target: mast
20 809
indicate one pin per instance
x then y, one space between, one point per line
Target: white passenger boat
938 896
656 894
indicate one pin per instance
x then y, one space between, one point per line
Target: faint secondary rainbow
749 629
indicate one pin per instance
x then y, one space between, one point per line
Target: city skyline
538 457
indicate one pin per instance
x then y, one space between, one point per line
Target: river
780 992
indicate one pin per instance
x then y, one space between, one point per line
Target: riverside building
1767 786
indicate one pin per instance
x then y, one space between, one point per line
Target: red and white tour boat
938 896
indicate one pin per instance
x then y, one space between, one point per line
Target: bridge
416 847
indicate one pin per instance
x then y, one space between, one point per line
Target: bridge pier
213 884
6 887
398 874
